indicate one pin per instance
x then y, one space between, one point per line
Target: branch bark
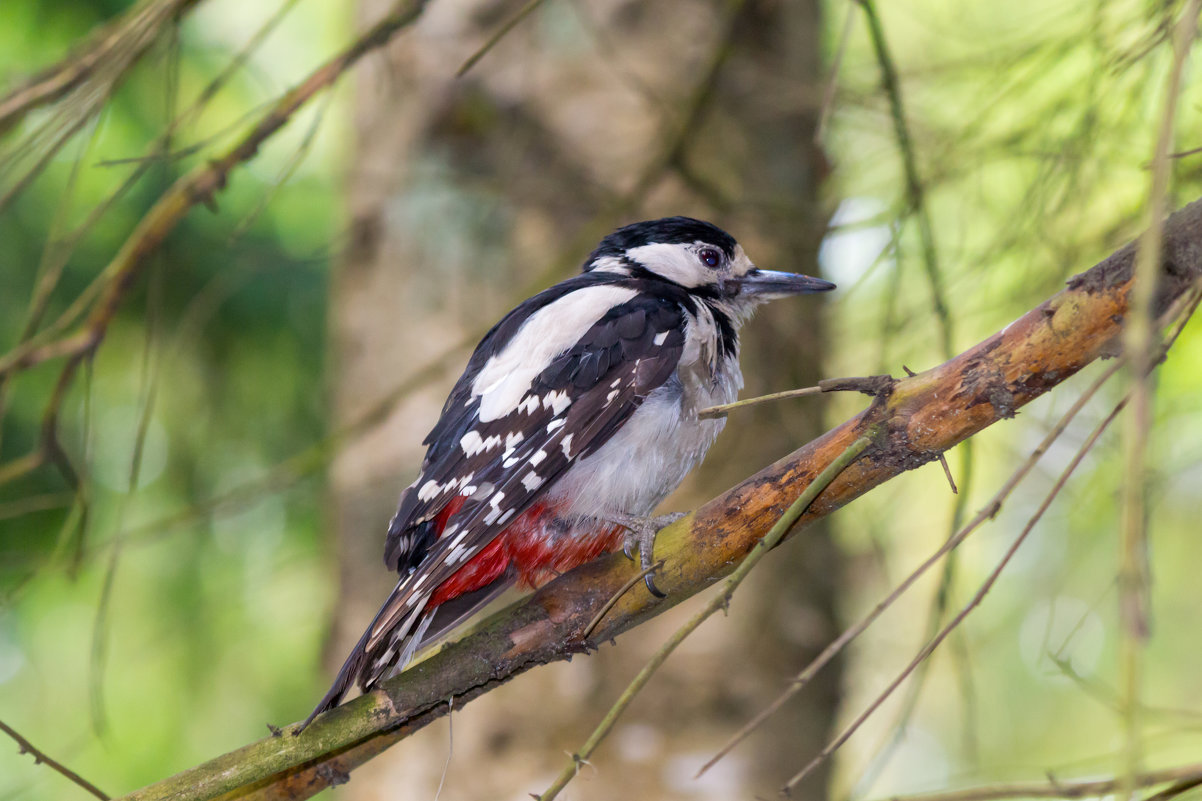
921 417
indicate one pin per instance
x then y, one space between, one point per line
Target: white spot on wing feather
557 400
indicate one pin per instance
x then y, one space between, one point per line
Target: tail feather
390 641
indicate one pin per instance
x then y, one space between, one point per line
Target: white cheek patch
674 262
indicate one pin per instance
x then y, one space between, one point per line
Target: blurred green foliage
214 620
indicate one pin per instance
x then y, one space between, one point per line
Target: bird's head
700 257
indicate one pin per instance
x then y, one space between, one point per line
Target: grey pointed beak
771 284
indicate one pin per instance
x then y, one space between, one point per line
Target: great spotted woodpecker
576 415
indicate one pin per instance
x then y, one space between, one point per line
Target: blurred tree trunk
770 104
462 195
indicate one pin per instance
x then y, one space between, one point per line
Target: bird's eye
710 257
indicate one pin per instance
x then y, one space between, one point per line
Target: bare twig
1068 788
875 386
84 87
1139 346
915 191
1184 309
832 83
497 36
40 757
617 596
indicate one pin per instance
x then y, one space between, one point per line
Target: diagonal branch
26 747
923 416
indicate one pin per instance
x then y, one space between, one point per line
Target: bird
576 415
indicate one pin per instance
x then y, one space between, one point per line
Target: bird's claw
640 536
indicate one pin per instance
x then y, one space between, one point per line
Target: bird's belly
648 457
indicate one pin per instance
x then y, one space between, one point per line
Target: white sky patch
854 242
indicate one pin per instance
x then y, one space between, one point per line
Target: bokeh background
237 443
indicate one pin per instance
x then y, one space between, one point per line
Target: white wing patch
504 381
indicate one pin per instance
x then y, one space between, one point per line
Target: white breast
662 441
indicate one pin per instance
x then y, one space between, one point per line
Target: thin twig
1139 346
40 757
1060 789
874 385
719 601
497 36
951 482
722 408
915 191
625 588
828 94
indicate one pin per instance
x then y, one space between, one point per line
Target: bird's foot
640 536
